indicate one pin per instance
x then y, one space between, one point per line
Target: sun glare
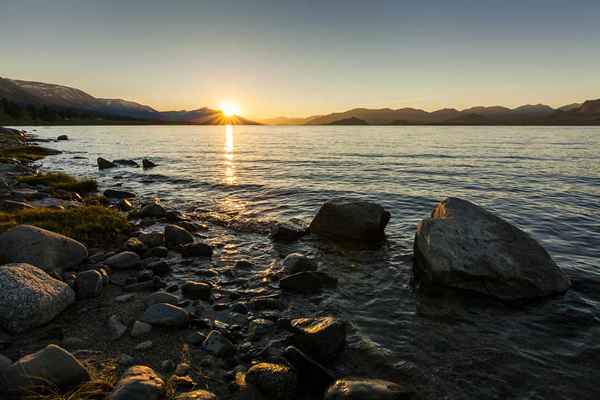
229 109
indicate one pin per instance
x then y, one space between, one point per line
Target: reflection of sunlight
229 168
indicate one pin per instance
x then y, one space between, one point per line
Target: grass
58 180
92 225
27 153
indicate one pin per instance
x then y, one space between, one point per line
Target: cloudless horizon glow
299 58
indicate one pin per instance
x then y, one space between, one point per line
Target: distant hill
349 121
62 103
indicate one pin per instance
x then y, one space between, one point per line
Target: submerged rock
127 163
46 250
177 236
29 297
287 232
348 219
197 249
322 338
50 367
367 389
139 383
153 210
466 247
148 164
104 163
275 381
297 262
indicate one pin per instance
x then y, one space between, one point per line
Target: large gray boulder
367 389
139 383
351 220
52 367
466 247
29 297
46 250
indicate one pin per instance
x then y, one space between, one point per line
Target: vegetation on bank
59 180
93 225
26 153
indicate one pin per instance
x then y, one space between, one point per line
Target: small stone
152 239
259 327
218 344
160 267
307 282
195 338
124 298
177 236
125 205
140 328
276 381
116 327
135 245
182 369
197 395
153 210
309 371
198 249
196 290
139 383
127 163
62 137
89 284
297 262
287 232
161 297
166 315
144 345
262 303
123 260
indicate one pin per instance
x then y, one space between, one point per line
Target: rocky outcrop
46 250
353 220
50 367
466 247
29 297
139 383
367 389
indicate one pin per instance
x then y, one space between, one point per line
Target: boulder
46 250
139 383
353 220
166 315
321 338
177 236
307 282
196 290
62 137
218 344
118 194
29 297
52 367
153 210
196 395
197 249
298 262
123 260
274 381
367 389
88 284
148 164
467 247
105 164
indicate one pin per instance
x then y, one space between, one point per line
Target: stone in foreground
274 381
139 383
50 367
176 236
29 297
218 344
298 262
322 338
123 260
467 247
46 250
351 220
166 315
197 395
367 389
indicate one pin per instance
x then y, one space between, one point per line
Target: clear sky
298 58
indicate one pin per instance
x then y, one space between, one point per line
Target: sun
229 108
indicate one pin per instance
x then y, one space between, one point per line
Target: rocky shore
93 304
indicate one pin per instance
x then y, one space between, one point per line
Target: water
544 179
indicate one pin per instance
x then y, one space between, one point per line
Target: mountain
349 121
66 102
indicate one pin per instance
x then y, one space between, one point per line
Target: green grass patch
58 180
27 153
93 225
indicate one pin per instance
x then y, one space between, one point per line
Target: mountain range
45 102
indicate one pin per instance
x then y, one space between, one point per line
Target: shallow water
544 179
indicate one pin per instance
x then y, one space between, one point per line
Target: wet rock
123 260
10 205
218 344
177 236
141 286
116 328
367 389
152 239
159 252
465 246
259 327
148 164
160 267
127 163
161 297
321 338
46 250
196 290
193 226
89 284
119 194
145 275
198 249
62 137
104 163
195 338
135 245
29 297
51 366
166 315
307 282
297 262
140 328
197 395
287 232
262 303
125 205
153 210
348 219
139 383
312 376
275 381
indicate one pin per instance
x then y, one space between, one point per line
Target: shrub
58 180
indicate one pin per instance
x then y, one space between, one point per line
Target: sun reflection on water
230 177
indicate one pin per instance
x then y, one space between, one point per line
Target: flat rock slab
29 297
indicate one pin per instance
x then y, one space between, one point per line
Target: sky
299 58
